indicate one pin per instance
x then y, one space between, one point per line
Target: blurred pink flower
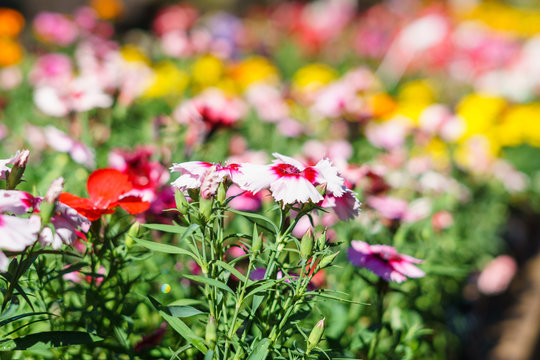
175 17
52 69
55 28
60 141
442 220
497 275
244 200
389 134
384 261
16 234
10 77
397 209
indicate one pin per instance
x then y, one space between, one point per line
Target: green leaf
17 317
257 216
183 311
267 285
260 352
172 229
180 327
209 355
211 282
164 248
49 339
232 270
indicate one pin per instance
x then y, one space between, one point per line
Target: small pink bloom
387 135
442 220
384 261
389 207
55 28
10 77
497 275
60 141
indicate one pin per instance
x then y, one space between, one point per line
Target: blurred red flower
107 188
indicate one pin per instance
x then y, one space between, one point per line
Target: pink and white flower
69 226
291 182
16 202
16 234
384 261
204 175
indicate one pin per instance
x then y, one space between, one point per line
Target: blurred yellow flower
107 9
312 77
10 51
481 113
11 22
168 80
413 98
207 71
132 53
253 70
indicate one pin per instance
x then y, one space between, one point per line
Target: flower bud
256 242
211 332
327 260
54 190
306 245
221 193
321 188
315 336
321 241
205 207
132 233
17 171
181 201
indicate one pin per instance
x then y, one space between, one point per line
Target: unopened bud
327 260
306 245
211 332
181 201
256 242
19 162
54 190
205 207
315 336
321 241
132 233
321 188
221 193
193 194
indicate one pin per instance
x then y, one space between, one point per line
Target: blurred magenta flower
384 261
146 176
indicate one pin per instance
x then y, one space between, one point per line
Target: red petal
133 204
107 185
82 205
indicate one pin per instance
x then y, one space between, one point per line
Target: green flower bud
181 202
327 260
205 207
211 333
315 336
132 233
17 171
221 193
321 188
306 245
256 242
321 241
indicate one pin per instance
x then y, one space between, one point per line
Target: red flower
107 189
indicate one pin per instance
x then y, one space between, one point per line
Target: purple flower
384 261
